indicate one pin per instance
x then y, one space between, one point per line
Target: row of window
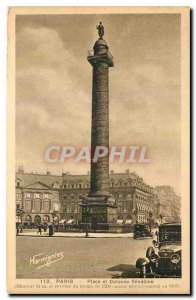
67 197
76 186
71 208
124 206
72 197
37 206
33 195
112 183
80 197
67 207
37 218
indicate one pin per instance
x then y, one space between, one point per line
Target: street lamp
87 219
136 215
53 215
161 218
150 220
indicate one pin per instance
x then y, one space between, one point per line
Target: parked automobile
164 258
142 230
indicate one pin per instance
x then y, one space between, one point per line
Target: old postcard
98 195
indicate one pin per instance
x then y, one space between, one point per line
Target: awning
128 222
62 221
70 221
119 221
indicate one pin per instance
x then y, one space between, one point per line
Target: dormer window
18 184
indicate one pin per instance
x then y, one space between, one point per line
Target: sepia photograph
98 141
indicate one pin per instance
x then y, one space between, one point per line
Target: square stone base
101 217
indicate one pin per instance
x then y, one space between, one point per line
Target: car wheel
143 272
149 252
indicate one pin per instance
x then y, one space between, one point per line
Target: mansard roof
50 180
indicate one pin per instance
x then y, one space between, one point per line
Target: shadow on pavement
128 271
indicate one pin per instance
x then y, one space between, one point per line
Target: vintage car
141 231
164 258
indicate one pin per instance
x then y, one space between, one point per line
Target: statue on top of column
100 30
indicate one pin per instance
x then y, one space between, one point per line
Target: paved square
82 257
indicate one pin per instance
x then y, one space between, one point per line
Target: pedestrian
44 227
87 235
21 229
39 229
17 230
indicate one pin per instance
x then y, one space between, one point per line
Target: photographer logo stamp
44 260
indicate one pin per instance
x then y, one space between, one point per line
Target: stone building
39 195
134 199
168 204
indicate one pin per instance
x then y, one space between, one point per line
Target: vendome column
99 207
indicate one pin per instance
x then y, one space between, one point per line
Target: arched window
37 219
46 218
56 220
18 182
28 218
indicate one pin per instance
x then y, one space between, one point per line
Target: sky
54 90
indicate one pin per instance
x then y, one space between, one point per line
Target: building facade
37 197
168 204
45 197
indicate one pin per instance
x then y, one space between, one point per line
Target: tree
20 214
